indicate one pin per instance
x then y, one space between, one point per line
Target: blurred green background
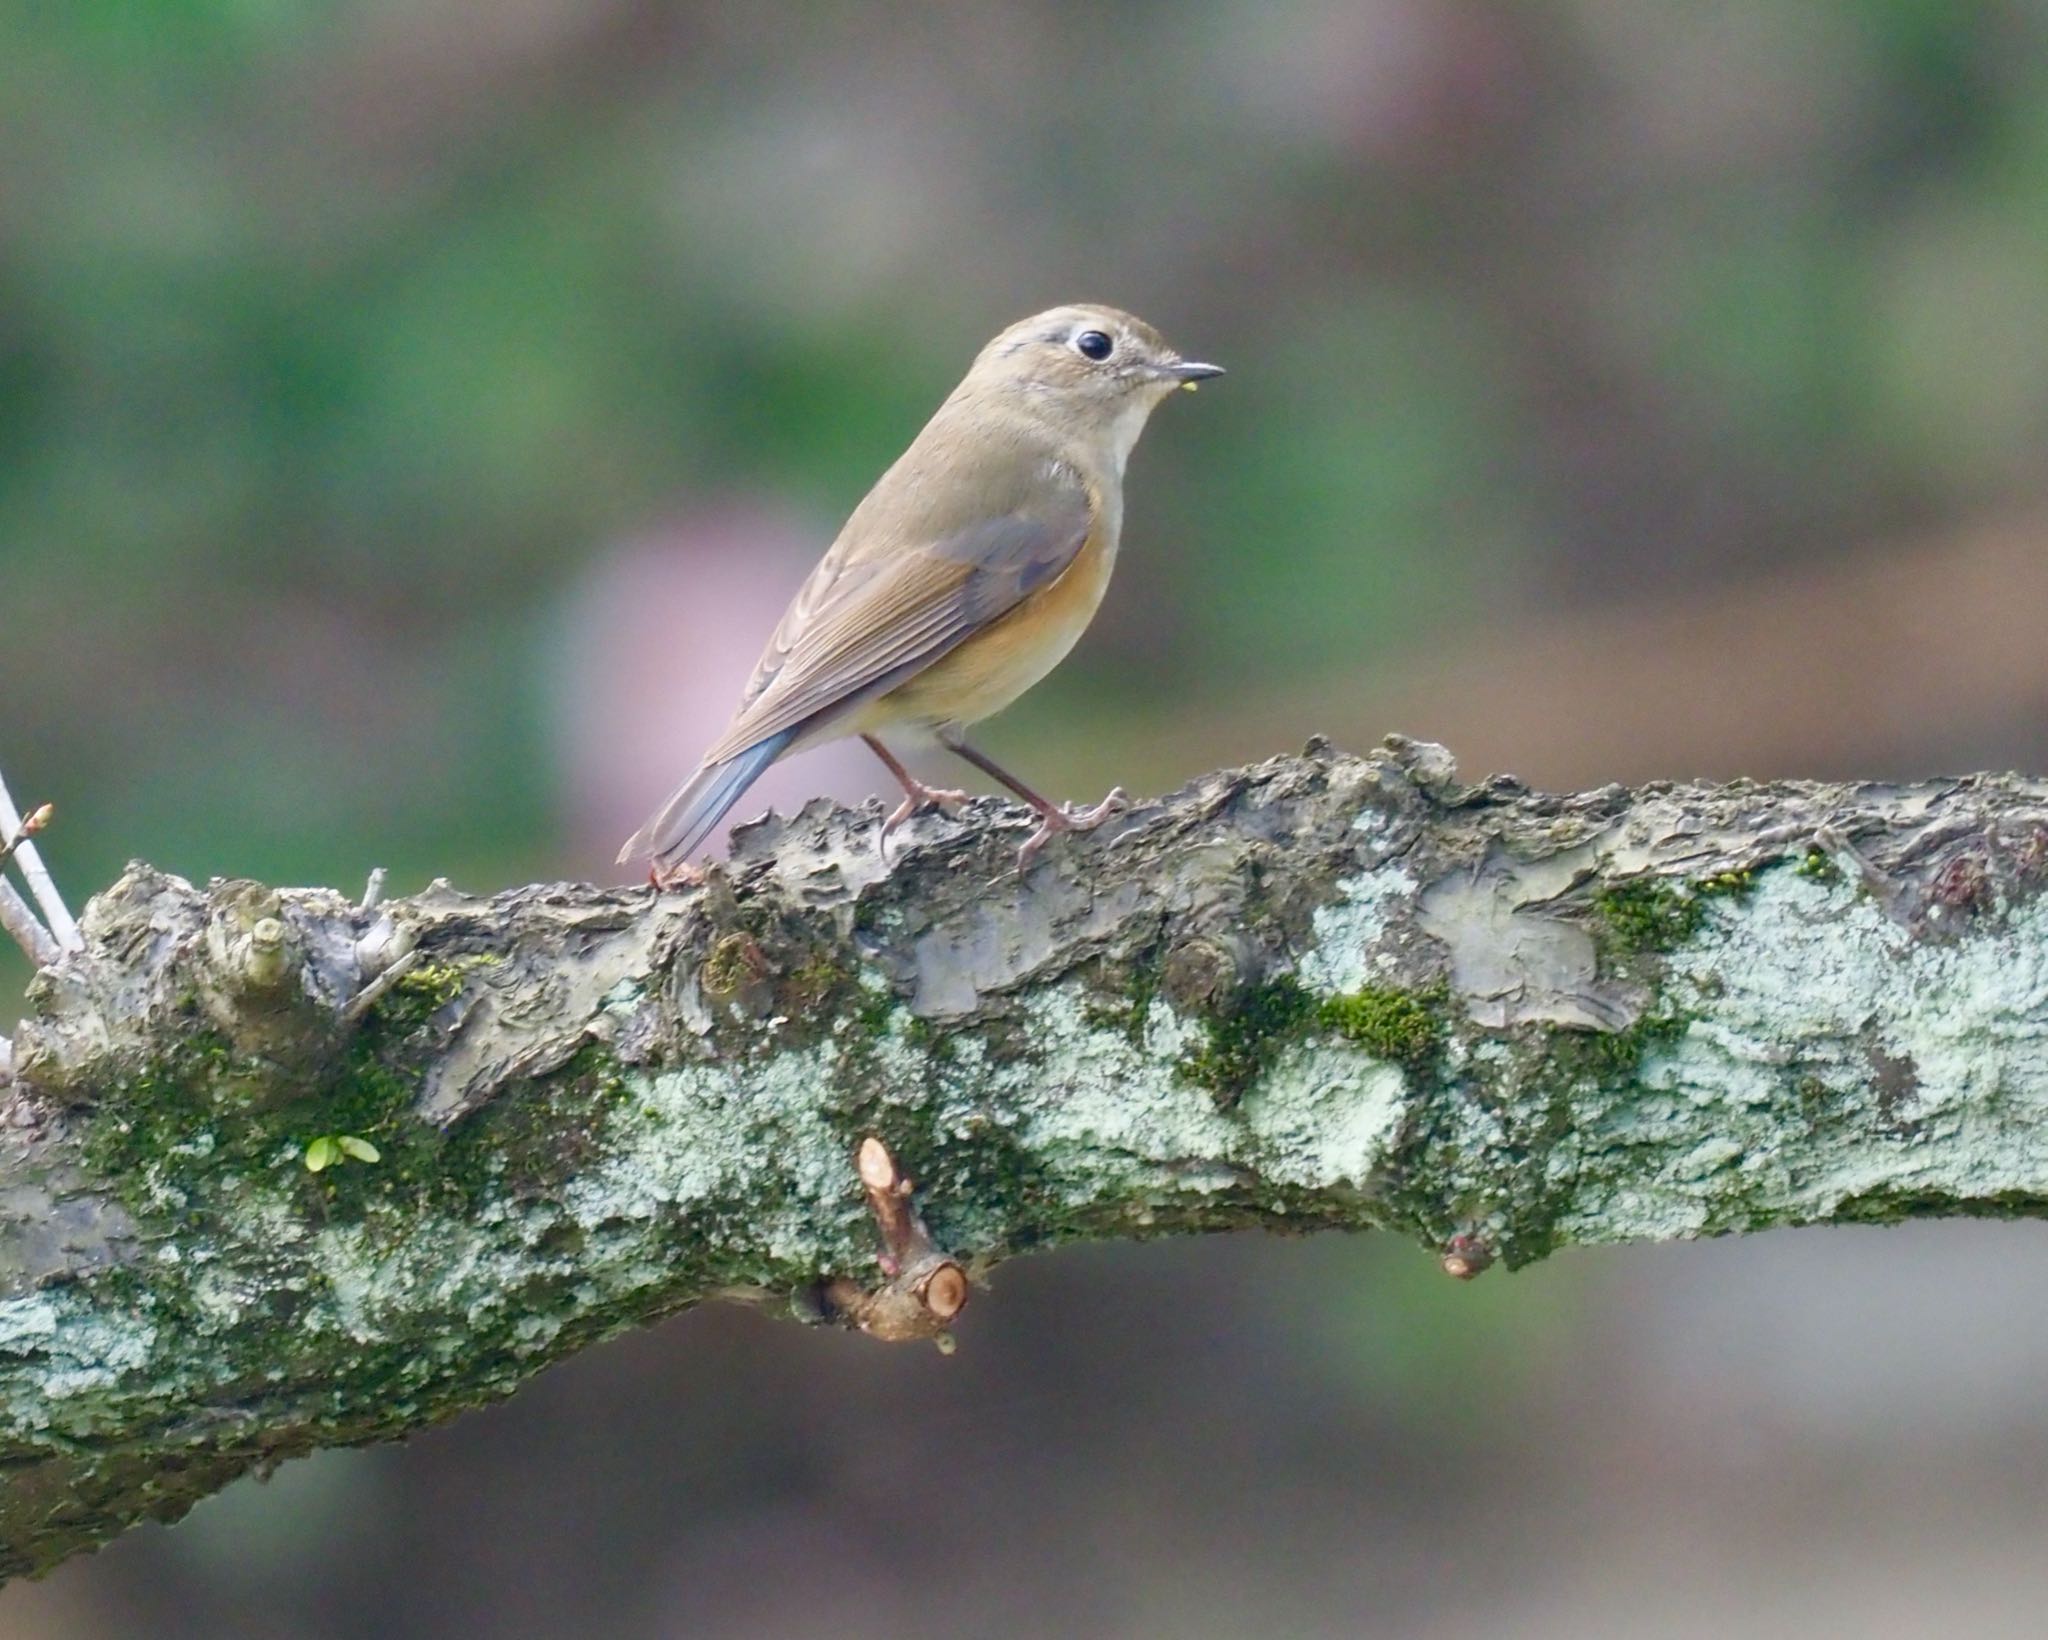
413 416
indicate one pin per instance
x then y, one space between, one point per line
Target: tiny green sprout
331 1148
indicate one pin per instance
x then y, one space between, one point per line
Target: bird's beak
1187 372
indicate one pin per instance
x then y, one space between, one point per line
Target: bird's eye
1093 344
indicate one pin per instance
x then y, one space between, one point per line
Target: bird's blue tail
687 818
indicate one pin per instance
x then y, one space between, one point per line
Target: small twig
26 928
373 891
6 1059
367 998
37 875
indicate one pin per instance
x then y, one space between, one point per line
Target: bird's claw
915 801
1053 821
1116 803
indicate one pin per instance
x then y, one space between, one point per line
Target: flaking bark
1324 991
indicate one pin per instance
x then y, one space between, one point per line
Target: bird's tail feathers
690 816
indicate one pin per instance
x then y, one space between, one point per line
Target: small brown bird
963 578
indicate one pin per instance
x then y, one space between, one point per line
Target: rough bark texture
1321 992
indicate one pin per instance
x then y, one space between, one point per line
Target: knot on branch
275 978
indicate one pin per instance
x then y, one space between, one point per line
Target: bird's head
1094 370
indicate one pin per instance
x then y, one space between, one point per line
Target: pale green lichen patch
1349 945
1324 1118
760 1123
81 1350
1104 1120
1919 1072
1112 1121
1012 1147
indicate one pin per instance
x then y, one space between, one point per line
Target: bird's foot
1052 821
683 874
918 797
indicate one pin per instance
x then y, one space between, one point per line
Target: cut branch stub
926 1286
248 973
1465 1255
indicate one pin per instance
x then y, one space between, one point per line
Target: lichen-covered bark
1321 992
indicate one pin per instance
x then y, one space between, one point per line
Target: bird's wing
866 621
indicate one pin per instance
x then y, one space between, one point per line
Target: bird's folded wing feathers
881 619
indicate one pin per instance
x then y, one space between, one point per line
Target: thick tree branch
282 1170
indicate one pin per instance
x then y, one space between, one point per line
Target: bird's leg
916 794
1052 817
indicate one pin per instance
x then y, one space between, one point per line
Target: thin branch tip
62 927
38 818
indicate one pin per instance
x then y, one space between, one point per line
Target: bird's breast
984 673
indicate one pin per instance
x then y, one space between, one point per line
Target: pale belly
995 666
